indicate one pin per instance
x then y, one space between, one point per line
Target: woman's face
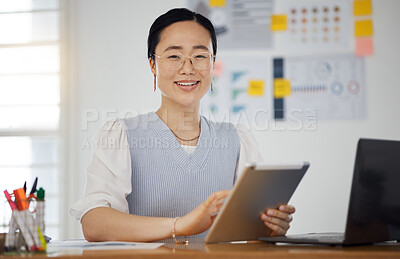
185 85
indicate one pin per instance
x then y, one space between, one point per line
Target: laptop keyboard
337 237
310 238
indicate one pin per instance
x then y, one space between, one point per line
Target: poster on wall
241 90
328 87
316 24
239 24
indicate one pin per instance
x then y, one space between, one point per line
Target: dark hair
173 16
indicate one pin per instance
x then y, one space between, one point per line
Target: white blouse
109 173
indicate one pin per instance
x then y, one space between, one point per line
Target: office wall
109 73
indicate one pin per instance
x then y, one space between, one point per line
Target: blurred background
67 67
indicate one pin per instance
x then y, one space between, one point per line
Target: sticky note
364 46
255 88
363 28
279 22
281 88
362 7
218 68
217 3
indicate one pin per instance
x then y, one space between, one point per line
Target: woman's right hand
201 218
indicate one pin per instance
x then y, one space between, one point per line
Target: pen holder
22 231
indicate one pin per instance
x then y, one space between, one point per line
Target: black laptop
374 208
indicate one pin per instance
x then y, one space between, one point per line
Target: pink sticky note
218 68
364 46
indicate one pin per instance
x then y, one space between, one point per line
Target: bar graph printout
333 87
239 24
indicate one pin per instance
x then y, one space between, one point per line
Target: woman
168 172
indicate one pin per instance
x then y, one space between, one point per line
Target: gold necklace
183 138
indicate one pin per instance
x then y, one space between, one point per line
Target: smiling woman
169 175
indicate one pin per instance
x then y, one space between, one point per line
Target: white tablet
260 187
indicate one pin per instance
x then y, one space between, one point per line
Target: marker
42 240
40 209
8 197
10 237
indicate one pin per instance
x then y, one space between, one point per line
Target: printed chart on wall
238 23
316 24
241 90
331 87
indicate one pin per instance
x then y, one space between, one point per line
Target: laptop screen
374 208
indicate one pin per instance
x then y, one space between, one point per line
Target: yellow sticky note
281 88
255 88
279 22
363 28
217 3
362 7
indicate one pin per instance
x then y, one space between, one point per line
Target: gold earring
155 83
211 87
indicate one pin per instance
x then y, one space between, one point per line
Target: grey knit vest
166 180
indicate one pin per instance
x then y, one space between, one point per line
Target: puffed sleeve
249 150
108 174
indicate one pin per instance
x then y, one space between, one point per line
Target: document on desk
81 244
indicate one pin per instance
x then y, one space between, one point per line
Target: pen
33 190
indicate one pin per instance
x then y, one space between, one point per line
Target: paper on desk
81 244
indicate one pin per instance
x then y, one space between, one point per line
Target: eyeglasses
174 61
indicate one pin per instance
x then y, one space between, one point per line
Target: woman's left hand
278 220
